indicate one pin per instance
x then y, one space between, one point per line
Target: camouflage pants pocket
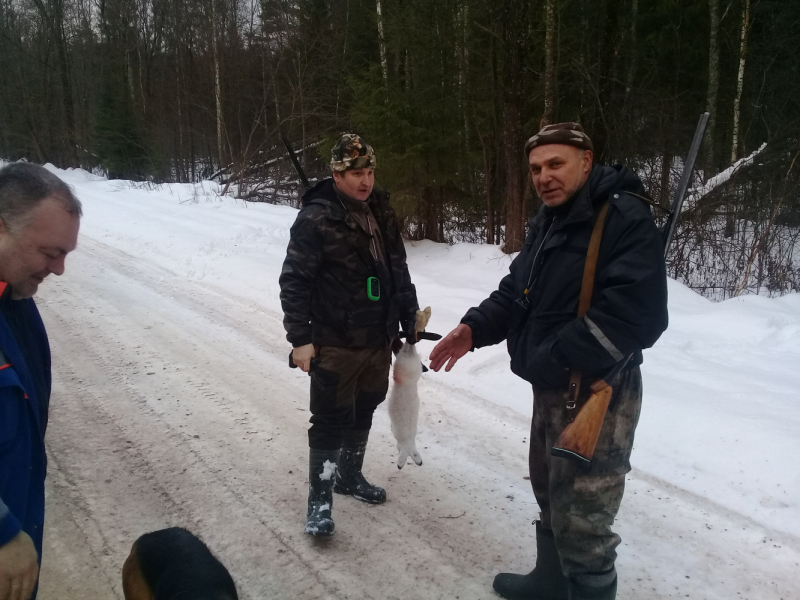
580 505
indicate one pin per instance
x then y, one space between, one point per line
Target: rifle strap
587 288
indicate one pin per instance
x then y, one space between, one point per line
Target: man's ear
337 177
588 159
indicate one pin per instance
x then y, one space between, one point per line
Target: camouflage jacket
324 277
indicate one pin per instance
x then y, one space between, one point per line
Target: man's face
31 253
356 183
558 171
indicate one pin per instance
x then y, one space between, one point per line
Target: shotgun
296 163
579 438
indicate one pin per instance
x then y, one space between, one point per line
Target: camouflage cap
569 133
351 152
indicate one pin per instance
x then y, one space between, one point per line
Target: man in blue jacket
535 309
39 222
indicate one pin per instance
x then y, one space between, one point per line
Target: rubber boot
321 473
594 586
349 479
545 582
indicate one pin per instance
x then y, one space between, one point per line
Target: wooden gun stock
579 439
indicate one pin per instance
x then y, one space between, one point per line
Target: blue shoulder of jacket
632 204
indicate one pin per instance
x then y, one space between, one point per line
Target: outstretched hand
454 345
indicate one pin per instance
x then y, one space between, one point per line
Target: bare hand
19 568
301 356
454 345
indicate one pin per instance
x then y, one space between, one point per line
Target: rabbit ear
416 458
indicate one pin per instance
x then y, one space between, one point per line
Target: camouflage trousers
580 505
347 385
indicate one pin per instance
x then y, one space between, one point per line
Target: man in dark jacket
345 288
535 309
39 221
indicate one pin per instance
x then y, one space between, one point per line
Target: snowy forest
447 91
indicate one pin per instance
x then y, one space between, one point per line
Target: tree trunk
513 101
713 85
66 86
431 223
515 197
183 175
54 22
549 64
666 175
730 213
487 188
463 70
633 46
344 56
217 84
382 44
740 80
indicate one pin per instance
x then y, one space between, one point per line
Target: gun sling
587 288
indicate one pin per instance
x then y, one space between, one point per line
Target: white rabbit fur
404 403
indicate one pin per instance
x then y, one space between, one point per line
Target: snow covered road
173 405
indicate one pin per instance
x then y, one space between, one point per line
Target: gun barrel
683 186
296 163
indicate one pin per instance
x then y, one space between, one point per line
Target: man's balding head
39 222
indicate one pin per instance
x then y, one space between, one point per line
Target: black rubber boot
545 582
349 480
321 473
594 586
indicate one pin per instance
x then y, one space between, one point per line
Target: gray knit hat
569 133
351 152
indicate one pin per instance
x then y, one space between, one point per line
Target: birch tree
740 79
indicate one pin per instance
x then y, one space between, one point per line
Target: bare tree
740 79
713 81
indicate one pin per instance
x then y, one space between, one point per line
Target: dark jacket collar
597 189
323 192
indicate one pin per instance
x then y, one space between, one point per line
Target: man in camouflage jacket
535 309
345 291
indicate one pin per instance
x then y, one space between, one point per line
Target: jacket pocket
518 350
330 315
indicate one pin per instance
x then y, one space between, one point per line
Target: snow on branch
721 178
